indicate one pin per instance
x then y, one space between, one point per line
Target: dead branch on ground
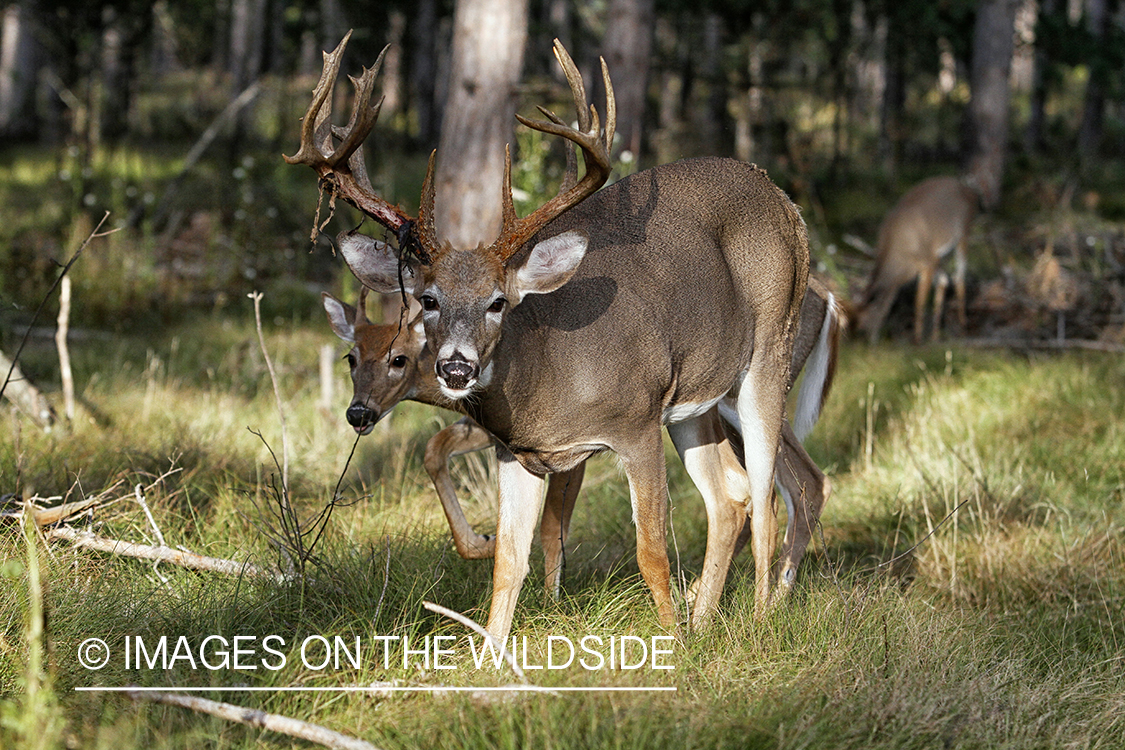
254 717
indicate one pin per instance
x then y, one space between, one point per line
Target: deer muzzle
457 374
362 418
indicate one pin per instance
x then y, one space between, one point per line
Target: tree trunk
894 96
993 43
1093 107
424 72
627 46
488 42
18 69
1037 115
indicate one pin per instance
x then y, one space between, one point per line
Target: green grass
966 592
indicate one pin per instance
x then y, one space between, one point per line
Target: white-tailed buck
589 324
389 363
929 221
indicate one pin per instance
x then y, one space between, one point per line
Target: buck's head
384 359
464 293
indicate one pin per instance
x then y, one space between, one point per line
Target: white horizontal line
357 689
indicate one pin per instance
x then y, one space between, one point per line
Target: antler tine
364 114
424 229
317 113
595 147
342 170
610 104
570 176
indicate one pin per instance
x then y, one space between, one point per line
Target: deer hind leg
941 284
648 489
562 491
718 475
925 278
805 489
521 500
960 261
462 437
760 406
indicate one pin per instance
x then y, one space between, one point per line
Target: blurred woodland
173 116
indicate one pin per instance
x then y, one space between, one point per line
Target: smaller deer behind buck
929 221
391 362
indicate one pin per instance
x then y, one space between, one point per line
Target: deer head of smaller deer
386 361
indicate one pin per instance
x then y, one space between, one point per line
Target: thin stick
64 351
472 625
386 579
257 297
254 717
189 560
148 513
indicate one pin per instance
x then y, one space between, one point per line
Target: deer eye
497 305
399 361
429 304
350 356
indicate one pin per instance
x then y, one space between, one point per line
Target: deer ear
341 317
373 262
550 264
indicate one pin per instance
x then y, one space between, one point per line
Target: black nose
360 416
457 373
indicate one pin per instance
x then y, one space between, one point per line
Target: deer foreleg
921 294
714 468
462 437
648 489
520 502
959 264
941 284
562 491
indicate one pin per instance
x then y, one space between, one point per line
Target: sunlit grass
967 589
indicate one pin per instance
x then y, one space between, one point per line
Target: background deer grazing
390 362
574 338
929 221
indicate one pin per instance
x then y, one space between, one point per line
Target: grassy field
966 591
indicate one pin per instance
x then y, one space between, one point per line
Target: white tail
928 222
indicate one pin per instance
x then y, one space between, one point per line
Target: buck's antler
589 136
341 167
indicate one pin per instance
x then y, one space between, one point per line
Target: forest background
966 588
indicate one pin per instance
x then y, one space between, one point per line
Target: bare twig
474 626
148 513
257 718
184 559
64 351
257 297
386 579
